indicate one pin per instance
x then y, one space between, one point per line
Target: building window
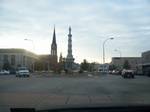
13 60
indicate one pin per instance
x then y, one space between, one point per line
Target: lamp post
32 43
33 50
104 50
118 52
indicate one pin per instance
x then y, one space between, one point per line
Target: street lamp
118 52
32 43
104 50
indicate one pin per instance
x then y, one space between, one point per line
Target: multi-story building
13 58
146 62
100 67
133 62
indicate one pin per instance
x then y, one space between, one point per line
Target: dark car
127 73
12 71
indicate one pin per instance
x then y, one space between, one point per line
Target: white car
23 72
4 72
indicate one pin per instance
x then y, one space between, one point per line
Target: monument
69 58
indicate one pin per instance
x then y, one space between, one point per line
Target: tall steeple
54 45
54 36
69 59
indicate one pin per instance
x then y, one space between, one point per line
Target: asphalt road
44 92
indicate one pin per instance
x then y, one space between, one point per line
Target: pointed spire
54 37
54 45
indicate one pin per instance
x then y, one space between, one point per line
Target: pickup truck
22 72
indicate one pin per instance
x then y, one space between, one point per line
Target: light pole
33 50
118 52
32 43
104 50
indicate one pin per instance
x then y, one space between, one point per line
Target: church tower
54 45
54 51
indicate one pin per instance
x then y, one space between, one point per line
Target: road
44 92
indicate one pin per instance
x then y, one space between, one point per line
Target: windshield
77 52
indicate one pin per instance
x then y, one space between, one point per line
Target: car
147 72
115 72
128 73
4 72
23 72
12 71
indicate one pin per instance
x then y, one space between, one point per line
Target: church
15 57
50 61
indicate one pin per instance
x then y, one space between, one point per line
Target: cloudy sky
92 22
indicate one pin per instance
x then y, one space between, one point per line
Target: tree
112 67
6 66
84 65
126 65
38 66
92 66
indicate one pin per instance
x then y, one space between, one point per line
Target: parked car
115 72
12 71
4 72
147 72
128 73
23 72
110 72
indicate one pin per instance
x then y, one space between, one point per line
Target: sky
92 22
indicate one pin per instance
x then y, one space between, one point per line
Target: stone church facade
49 61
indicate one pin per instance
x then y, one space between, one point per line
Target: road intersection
43 92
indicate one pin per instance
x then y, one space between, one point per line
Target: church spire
54 45
54 37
